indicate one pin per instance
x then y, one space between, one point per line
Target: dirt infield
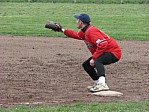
48 71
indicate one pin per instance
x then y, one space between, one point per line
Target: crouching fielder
103 48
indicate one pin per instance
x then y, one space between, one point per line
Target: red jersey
96 40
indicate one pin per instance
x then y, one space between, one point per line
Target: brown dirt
48 71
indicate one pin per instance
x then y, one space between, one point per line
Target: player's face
79 24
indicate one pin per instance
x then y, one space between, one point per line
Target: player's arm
100 42
100 49
72 34
57 27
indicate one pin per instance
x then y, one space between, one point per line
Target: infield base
108 93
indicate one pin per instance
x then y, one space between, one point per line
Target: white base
108 93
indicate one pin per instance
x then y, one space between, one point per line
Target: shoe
99 87
89 87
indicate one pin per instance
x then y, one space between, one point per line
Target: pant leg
90 69
104 59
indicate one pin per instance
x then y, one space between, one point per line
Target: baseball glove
54 26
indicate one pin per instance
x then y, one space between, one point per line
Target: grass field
82 107
84 1
121 21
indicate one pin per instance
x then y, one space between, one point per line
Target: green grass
142 106
121 21
83 1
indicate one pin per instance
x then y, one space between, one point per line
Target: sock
101 79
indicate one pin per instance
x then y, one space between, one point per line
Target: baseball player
103 48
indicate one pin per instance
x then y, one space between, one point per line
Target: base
108 93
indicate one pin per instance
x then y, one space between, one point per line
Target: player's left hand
92 62
54 26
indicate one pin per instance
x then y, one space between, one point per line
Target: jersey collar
85 28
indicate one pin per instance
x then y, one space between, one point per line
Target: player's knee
97 62
83 64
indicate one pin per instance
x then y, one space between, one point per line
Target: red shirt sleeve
73 34
99 41
100 49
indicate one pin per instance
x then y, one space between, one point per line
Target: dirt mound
49 71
